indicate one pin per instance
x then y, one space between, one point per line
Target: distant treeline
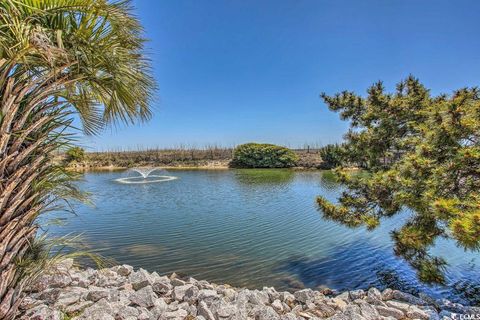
210 156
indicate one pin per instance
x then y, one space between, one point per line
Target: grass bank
205 158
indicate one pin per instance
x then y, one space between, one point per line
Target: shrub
259 155
332 156
75 154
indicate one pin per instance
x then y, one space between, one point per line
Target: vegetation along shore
189 158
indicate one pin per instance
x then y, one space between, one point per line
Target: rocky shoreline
122 293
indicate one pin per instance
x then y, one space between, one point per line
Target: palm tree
59 59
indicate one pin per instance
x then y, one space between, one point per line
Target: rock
123 270
339 303
390 312
356 294
367 310
304 295
345 296
108 278
277 306
202 284
322 310
387 294
144 314
172 306
50 295
416 313
398 305
298 308
286 297
353 312
445 304
432 313
206 294
407 297
179 291
258 297
97 294
162 285
224 310
289 316
43 312
159 308
127 313
120 293
140 279
78 307
99 310
272 293
144 297
177 315
266 313
66 299
229 294
177 282
204 311
374 294
191 294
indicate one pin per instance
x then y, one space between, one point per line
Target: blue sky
234 71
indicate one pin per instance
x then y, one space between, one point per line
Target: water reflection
264 176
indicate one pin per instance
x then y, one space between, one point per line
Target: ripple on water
249 228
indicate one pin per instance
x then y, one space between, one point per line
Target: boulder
407 297
191 294
144 297
356 294
416 313
266 313
387 294
204 311
304 295
179 291
398 305
97 293
390 312
140 279
123 270
277 306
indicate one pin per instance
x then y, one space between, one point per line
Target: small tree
421 152
261 155
75 154
332 156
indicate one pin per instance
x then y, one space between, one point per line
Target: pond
252 228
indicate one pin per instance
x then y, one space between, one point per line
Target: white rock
416 313
179 291
304 295
398 305
204 311
390 312
277 306
144 297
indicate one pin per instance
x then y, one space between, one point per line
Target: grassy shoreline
181 159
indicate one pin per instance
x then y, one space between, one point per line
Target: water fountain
145 176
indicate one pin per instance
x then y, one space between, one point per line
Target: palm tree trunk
26 122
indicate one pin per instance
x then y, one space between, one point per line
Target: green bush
75 154
260 155
332 156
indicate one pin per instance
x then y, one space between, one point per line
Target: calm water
250 228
